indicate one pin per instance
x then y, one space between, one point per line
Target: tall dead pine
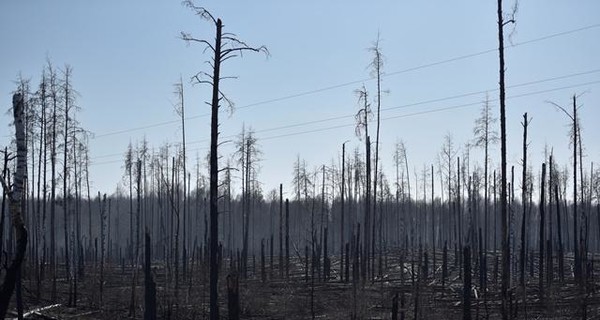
503 197
15 195
224 47
524 202
542 227
280 230
287 238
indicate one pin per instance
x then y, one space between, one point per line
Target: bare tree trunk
233 297
287 238
280 230
221 53
575 215
65 181
263 271
433 223
184 160
15 195
150 286
102 246
214 176
467 283
561 266
367 209
53 182
503 204
523 202
542 227
550 256
342 214
4 194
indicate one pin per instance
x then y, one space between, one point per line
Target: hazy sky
126 55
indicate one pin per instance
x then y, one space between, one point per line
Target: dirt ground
301 298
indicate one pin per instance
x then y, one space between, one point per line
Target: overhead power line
431 110
424 102
345 84
424 112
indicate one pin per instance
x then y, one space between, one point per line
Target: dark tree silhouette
362 119
226 46
503 197
574 135
16 204
524 182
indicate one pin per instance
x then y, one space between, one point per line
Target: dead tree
233 297
433 223
16 204
287 238
149 285
362 118
467 283
54 132
180 109
342 195
542 227
129 172
523 201
561 254
102 244
574 135
6 157
503 205
68 105
377 66
484 136
226 46
280 230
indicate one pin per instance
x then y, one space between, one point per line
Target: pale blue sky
127 54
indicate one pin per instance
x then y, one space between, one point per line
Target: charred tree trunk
233 297
367 223
280 230
53 183
65 183
542 228
214 175
433 224
503 204
395 307
575 216
467 283
287 238
263 271
150 286
561 265
15 195
342 214
523 202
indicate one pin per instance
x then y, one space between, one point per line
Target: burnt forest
488 228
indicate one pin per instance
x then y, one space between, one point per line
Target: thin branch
562 109
200 11
508 22
188 38
262 49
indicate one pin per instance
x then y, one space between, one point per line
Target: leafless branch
239 50
562 109
188 38
200 11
